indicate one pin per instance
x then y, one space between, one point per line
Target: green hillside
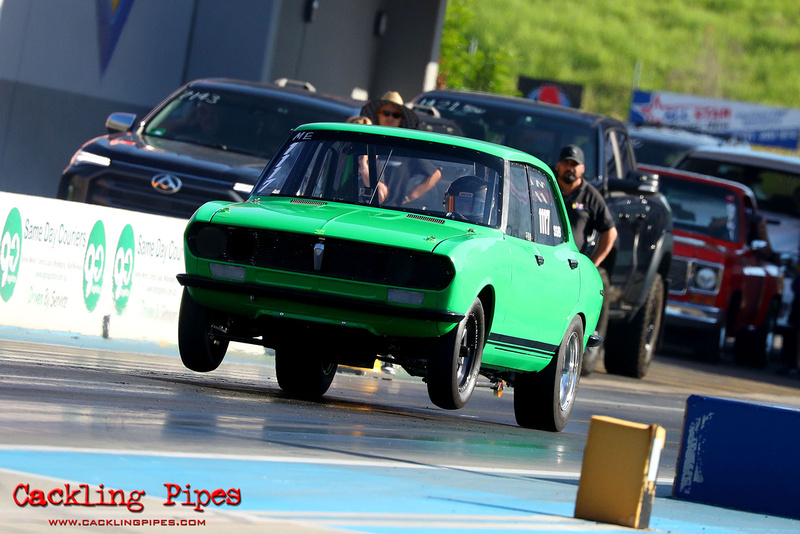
746 50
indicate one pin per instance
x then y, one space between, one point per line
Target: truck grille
134 192
678 275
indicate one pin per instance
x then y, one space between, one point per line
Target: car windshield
542 137
659 151
703 208
416 176
239 122
776 191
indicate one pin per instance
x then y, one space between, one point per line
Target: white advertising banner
92 270
758 124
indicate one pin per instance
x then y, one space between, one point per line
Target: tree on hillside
462 62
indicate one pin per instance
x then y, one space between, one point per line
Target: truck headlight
82 156
707 278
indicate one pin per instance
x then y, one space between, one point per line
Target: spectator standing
587 212
586 208
389 110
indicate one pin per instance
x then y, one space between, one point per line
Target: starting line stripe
395 464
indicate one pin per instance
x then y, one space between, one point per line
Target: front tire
200 350
544 400
630 347
754 349
455 361
303 375
710 345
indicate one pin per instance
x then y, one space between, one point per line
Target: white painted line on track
395 464
630 405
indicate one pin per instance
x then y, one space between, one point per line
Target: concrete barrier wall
740 455
91 270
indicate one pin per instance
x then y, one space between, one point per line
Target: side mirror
638 181
120 122
758 244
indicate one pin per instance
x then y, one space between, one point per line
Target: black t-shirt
398 174
587 211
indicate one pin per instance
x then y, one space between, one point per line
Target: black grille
119 189
678 275
349 260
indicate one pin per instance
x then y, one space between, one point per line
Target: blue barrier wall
740 455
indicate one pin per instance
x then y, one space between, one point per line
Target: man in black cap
586 208
587 211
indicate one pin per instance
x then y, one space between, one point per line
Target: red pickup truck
722 282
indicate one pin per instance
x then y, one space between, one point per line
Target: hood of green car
344 221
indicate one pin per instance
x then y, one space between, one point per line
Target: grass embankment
745 50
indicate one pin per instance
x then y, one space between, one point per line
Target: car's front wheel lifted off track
455 360
544 400
200 350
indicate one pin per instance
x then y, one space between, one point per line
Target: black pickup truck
639 264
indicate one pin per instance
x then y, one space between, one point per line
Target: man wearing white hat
390 110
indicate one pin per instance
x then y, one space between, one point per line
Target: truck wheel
754 348
455 360
302 375
544 400
592 355
631 346
711 344
199 351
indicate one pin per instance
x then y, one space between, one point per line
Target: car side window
519 204
547 221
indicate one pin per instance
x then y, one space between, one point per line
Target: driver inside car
466 197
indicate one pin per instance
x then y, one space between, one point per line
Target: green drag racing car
448 256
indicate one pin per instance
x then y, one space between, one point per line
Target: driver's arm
423 187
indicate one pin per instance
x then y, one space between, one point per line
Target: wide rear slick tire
544 400
455 360
199 350
302 374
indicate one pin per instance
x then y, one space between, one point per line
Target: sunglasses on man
393 114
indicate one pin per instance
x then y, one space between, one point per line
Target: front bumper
316 299
686 315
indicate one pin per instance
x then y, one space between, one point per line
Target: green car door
544 278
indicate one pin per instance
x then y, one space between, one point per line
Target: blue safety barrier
740 455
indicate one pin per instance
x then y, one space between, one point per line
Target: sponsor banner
91 270
758 124
564 94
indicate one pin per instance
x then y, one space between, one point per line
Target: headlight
418 270
82 156
207 241
706 278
